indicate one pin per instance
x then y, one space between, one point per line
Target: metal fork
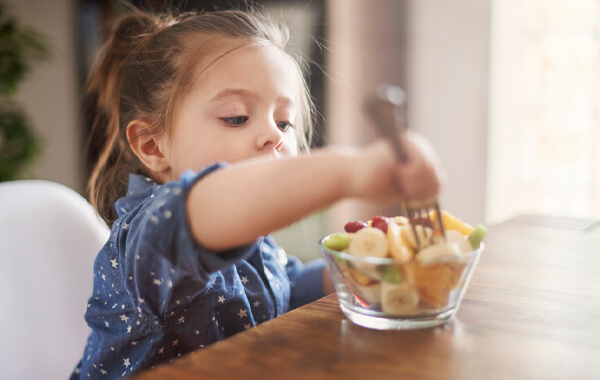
387 109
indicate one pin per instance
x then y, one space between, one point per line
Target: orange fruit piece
456 271
451 222
433 282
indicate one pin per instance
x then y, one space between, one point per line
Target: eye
236 121
284 125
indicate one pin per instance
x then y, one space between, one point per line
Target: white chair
49 237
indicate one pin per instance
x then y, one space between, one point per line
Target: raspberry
380 222
354 226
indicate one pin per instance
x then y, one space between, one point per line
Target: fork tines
419 213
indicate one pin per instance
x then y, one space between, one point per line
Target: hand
380 176
419 177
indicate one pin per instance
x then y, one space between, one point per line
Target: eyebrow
240 92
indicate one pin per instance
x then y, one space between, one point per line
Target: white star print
141 300
247 326
244 280
157 281
103 372
129 329
161 350
125 226
124 318
134 343
154 219
106 323
103 276
197 332
126 362
176 191
175 342
181 319
256 303
167 214
243 313
114 263
221 299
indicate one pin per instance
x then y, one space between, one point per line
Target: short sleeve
166 265
306 280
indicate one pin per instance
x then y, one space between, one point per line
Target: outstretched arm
235 206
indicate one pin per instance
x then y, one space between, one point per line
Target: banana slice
461 241
398 298
369 242
424 233
434 254
398 247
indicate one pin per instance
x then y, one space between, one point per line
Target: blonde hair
145 67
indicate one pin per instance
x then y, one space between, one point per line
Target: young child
201 117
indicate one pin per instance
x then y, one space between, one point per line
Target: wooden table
532 311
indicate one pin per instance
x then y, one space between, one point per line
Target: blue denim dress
158 294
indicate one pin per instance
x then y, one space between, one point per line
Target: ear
149 148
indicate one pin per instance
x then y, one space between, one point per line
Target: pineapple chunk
451 223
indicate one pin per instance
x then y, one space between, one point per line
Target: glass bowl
382 294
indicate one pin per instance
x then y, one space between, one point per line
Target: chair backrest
49 237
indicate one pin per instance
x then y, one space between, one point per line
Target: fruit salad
391 271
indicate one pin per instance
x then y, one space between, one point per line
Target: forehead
260 68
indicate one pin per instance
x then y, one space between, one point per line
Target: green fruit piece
390 273
477 236
338 241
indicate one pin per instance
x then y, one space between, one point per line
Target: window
544 136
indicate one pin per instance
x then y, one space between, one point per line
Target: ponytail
109 177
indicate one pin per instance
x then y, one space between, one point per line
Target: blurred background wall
51 94
505 90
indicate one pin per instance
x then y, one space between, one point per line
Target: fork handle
387 108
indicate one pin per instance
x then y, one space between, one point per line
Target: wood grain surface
532 311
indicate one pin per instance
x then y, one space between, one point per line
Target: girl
201 118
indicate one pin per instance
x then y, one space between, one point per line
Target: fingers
419 178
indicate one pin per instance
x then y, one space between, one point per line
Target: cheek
291 145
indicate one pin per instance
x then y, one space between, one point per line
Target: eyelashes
239 121
284 125
235 121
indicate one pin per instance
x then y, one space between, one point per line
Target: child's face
242 106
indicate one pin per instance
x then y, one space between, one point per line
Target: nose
270 138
